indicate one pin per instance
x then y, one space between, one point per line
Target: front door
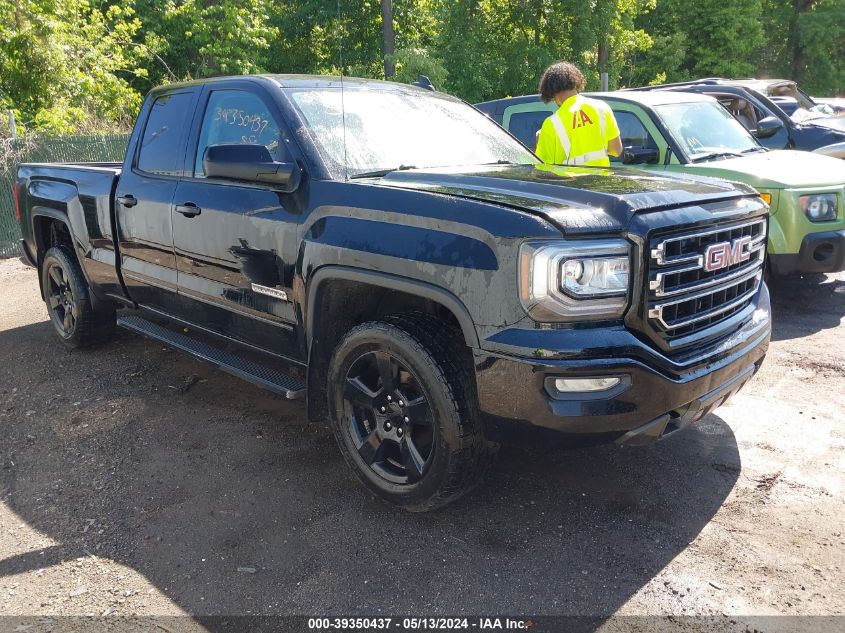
144 197
233 259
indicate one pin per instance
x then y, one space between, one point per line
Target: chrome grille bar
757 252
686 294
657 311
658 253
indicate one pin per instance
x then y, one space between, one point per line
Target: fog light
569 385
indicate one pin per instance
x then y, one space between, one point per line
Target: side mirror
640 155
249 163
768 126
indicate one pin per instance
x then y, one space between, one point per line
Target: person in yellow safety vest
582 131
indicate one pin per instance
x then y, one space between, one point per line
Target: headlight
574 281
819 207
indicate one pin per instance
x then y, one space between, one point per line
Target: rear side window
161 145
525 125
632 132
234 117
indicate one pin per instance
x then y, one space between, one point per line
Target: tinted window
525 125
161 146
632 133
236 117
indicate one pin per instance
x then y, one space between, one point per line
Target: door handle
128 200
189 209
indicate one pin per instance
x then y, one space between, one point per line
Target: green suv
694 134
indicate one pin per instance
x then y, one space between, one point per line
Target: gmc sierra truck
401 262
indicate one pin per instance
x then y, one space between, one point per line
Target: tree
700 39
68 65
389 38
806 43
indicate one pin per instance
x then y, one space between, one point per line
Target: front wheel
403 410
73 314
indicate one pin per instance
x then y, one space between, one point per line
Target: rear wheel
404 413
75 319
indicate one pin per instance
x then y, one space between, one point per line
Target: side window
161 145
632 133
525 125
233 117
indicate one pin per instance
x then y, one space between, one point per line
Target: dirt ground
138 481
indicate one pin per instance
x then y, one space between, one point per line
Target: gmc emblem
724 254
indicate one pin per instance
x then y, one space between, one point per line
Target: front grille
698 280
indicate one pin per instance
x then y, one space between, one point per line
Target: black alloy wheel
388 416
78 319
404 412
60 299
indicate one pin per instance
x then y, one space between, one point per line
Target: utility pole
389 38
603 55
13 126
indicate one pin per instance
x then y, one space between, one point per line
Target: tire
75 319
416 443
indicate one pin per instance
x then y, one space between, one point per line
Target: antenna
342 101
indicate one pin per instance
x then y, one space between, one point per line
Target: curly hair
559 77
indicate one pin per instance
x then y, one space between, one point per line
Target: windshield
703 129
388 130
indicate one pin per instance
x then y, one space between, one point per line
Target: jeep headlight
819 207
574 281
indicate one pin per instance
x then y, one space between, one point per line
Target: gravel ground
137 481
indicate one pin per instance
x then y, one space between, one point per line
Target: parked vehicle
837 103
394 257
761 116
690 133
836 151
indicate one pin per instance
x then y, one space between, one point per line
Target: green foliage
68 65
806 42
83 65
413 62
821 31
705 38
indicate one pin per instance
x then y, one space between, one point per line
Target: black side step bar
271 379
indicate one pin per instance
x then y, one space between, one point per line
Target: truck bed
83 193
41 168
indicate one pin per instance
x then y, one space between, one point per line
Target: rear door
235 243
144 196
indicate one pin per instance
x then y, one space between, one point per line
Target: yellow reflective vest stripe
589 122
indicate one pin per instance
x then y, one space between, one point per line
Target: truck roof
654 98
301 81
651 98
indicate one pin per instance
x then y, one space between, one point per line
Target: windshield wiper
713 155
378 173
753 149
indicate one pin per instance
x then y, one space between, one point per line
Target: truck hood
832 123
576 199
777 169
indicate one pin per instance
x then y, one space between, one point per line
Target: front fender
391 282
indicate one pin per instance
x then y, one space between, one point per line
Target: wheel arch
377 294
50 227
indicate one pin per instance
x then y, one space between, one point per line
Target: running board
265 377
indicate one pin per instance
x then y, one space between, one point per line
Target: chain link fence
58 149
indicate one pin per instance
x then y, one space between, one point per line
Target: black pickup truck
400 261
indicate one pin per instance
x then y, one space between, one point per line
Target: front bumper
819 253
660 397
